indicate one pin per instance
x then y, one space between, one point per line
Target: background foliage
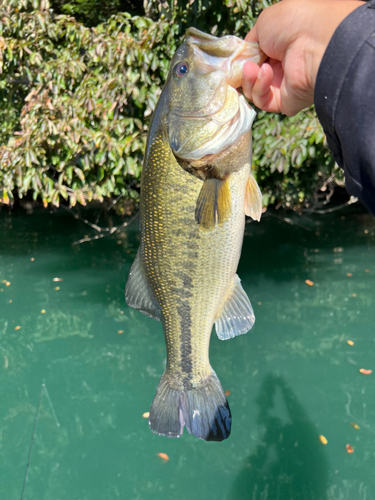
76 95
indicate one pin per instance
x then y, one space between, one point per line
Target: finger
252 36
264 95
249 75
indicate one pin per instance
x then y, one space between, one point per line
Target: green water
293 378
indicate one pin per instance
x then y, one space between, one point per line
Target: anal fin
253 199
213 204
138 294
236 316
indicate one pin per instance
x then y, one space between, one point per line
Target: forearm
345 100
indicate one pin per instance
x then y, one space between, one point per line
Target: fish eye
181 69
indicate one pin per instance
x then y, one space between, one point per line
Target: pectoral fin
236 315
253 199
213 204
138 294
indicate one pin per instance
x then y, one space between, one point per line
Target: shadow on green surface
290 462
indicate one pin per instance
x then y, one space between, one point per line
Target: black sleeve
345 101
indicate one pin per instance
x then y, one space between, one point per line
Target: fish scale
168 229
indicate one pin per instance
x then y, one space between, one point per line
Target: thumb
252 36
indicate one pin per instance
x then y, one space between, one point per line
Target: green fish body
192 222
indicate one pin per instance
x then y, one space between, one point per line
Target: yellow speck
120 332
146 414
354 295
57 279
17 328
259 303
32 259
349 274
10 301
365 372
43 311
323 439
309 282
57 288
350 342
354 425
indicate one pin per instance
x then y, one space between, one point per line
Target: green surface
291 379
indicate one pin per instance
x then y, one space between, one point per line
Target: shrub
75 103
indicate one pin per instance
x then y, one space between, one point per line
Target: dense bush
75 101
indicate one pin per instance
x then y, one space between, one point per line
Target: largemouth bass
196 188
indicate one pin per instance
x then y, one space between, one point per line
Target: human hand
294 34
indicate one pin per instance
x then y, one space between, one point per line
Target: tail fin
204 410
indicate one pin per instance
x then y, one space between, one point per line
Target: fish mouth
218 123
228 54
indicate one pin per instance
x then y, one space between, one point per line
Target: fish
196 188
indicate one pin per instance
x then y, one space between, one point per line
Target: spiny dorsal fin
236 315
138 294
253 199
213 204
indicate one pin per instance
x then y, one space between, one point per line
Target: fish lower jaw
224 138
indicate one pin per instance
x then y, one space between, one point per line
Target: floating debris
365 372
323 439
146 414
349 448
259 303
32 259
309 282
349 274
57 288
57 279
43 311
164 456
120 332
354 295
6 283
350 342
227 393
10 301
367 270
17 328
354 425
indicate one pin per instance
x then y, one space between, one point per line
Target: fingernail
261 72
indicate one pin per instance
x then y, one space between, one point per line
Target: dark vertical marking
184 311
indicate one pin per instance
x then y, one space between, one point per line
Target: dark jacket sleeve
345 101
